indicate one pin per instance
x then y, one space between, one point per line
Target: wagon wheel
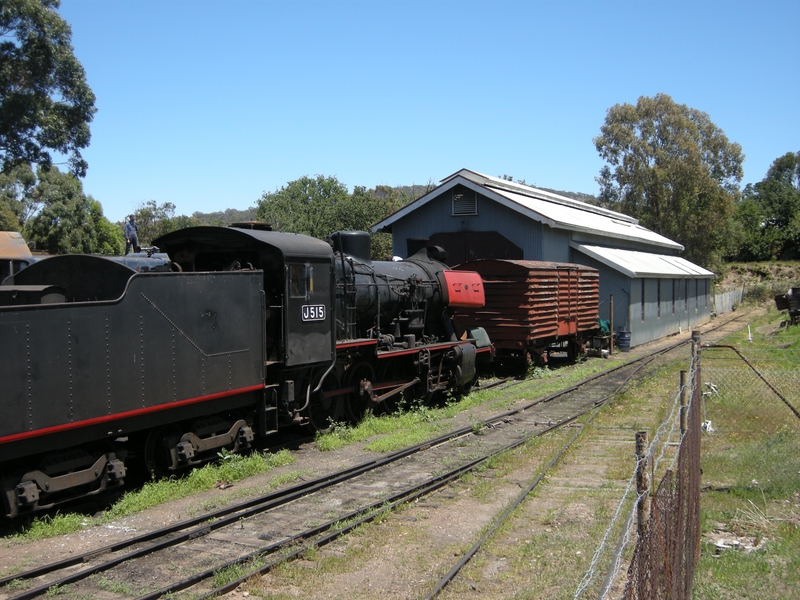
157 456
359 378
465 389
324 410
572 350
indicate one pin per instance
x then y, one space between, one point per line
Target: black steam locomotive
229 334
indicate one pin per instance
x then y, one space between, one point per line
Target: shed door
474 245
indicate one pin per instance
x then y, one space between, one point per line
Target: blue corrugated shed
472 215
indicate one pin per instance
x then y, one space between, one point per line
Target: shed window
465 202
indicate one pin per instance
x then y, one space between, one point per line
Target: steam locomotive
222 338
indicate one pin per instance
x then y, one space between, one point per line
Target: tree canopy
16 197
154 220
321 205
45 102
50 209
64 223
674 170
768 216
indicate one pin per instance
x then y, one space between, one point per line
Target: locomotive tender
233 332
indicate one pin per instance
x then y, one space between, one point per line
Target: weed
57 590
478 428
18 585
117 587
59 524
230 573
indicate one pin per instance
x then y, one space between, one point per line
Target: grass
751 468
416 423
232 467
59 524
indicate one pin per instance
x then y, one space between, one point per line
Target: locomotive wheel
323 410
391 370
358 401
465 389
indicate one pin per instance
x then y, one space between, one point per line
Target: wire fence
668 545
745 402
751 401
660 453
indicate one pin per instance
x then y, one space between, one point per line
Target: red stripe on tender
124 415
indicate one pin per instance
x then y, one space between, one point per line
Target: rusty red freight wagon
534 307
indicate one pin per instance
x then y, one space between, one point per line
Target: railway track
711 334
255 536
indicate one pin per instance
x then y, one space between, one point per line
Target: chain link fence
751 402
746 406
668 545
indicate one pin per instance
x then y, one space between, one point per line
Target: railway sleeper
57 481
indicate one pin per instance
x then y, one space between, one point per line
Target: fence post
696 360
611 324
642 484
684 401
695 343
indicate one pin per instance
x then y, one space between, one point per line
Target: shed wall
612 282
437 217
663 318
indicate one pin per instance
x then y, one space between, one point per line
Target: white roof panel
574 218
644 264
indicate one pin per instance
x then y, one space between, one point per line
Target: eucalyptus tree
45 102
64 225
16 196
769 213
673 169
308 205
154 220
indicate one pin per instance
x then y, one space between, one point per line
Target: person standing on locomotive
131 236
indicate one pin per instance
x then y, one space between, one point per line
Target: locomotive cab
297 283
298 315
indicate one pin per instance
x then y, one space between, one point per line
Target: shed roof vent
465 201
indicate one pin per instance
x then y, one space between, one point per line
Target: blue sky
210 104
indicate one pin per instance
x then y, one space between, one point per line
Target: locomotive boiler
229 335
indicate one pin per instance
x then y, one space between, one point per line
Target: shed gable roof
554 210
